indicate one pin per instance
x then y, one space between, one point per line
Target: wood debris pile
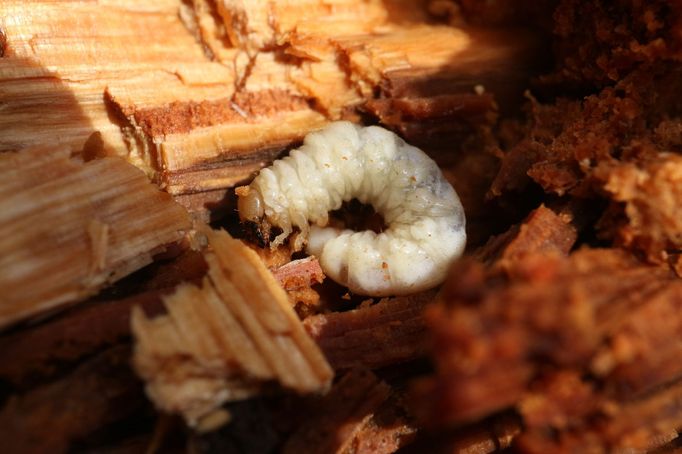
582 346
125 124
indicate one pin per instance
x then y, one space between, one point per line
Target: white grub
423 215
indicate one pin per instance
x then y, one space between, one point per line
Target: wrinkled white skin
424 217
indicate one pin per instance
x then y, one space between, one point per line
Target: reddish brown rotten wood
543 231
388 332
299 274
495 330
581 419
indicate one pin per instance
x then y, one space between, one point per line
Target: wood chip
224 340
297 278
389 332
542 232
300 273
67 229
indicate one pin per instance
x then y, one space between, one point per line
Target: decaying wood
494 332
201 111
580 346
383 44
224 340
299 273
69 228
36 353
337 68
645 424
542 232
54 78
252 428
218 142
101 391
641 353
651 194
389 332
349 420
297 277
59 57
583 419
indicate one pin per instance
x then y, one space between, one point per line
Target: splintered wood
67 228
224 340
228 85
258 25
213 143
59 57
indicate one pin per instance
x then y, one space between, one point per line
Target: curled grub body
424 217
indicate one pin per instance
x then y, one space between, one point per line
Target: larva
422 212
